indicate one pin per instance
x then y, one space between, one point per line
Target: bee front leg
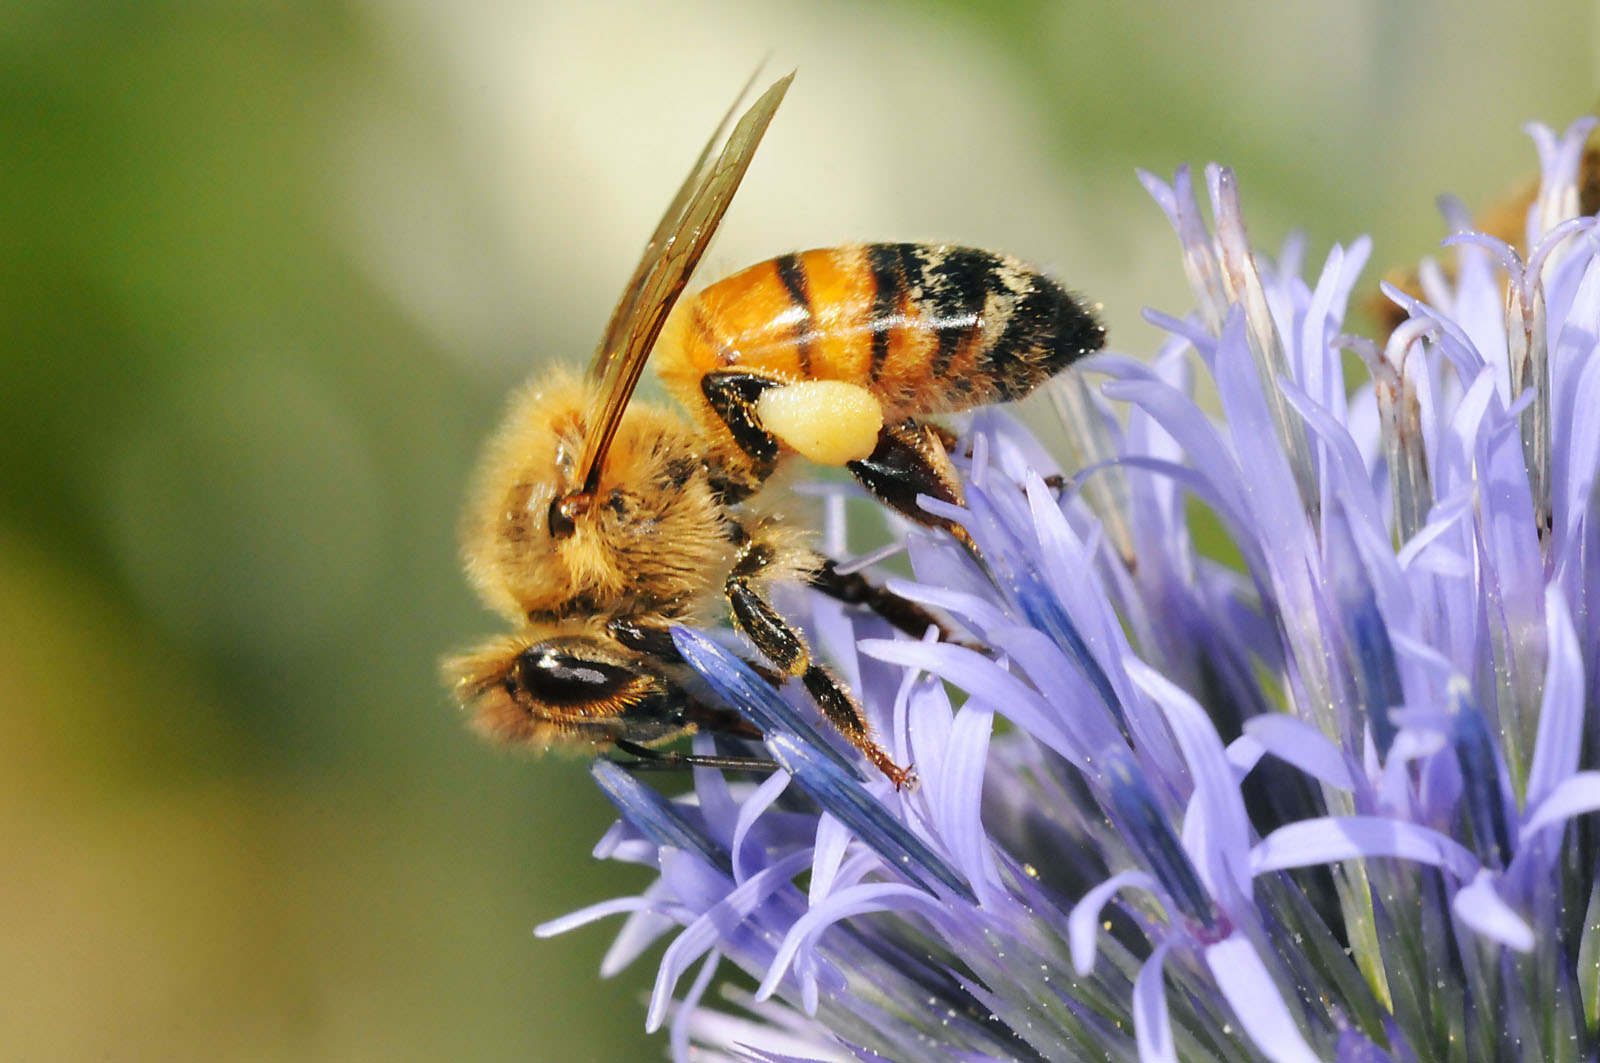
910 460
646 758
786 648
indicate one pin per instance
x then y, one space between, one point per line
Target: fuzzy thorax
654 541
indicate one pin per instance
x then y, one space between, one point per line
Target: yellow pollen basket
830 422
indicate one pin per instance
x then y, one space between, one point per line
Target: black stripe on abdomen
887 263
793 276
957 283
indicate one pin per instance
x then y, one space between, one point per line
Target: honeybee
598 523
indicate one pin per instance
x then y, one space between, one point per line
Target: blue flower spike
1330 801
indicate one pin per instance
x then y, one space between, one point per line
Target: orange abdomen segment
928 329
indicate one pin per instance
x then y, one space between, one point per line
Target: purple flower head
1323 802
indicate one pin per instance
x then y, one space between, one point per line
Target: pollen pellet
831 422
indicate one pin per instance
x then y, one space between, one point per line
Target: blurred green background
269 267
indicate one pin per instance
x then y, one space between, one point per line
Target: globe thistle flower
1320 802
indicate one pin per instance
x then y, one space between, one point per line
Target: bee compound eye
559 678
561 518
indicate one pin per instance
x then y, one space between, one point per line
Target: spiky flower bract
1323 802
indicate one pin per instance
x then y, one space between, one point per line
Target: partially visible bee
597 523
1506 219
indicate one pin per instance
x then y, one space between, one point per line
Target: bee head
569 691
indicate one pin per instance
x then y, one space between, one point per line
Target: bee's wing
610 348
663 272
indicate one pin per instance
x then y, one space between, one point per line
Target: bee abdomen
994 322
928 328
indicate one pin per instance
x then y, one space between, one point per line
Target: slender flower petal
1480 907
1244 982
1303 746
1152 1027
1573 796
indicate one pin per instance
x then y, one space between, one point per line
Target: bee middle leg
786 648
911 460
656 640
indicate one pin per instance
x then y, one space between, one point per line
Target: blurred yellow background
269 267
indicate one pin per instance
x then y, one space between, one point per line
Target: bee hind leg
911 460
830 422
786 648
905 615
